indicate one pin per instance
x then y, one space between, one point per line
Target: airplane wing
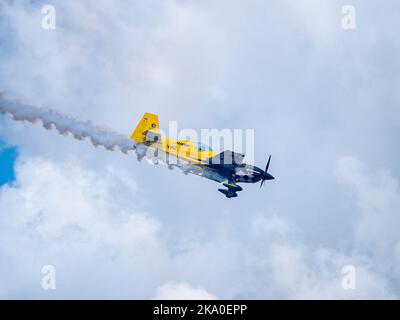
227 158
202 171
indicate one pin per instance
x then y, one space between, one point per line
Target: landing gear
228 193
233 187
231 191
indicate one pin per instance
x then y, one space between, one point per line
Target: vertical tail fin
149 122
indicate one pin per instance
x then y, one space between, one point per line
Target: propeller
269 161
266 175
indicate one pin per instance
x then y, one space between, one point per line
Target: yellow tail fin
149 122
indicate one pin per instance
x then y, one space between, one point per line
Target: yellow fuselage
148 133
187 150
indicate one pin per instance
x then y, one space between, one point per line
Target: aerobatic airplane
226 167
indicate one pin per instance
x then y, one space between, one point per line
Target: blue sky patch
8 155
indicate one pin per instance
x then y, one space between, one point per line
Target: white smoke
64 124
99 136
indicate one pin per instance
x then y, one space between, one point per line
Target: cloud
377 198
321 21
116 228
89 226
273 225
58 213
182 291
300 273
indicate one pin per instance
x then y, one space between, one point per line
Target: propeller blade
269 160
262 182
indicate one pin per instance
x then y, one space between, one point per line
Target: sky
321 99
7 159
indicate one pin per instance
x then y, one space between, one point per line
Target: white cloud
377 196
321 20
68 216
299 273
182 291
273 226
61 214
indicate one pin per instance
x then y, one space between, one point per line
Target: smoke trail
98 136
64 124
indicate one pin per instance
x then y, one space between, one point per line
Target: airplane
196 158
